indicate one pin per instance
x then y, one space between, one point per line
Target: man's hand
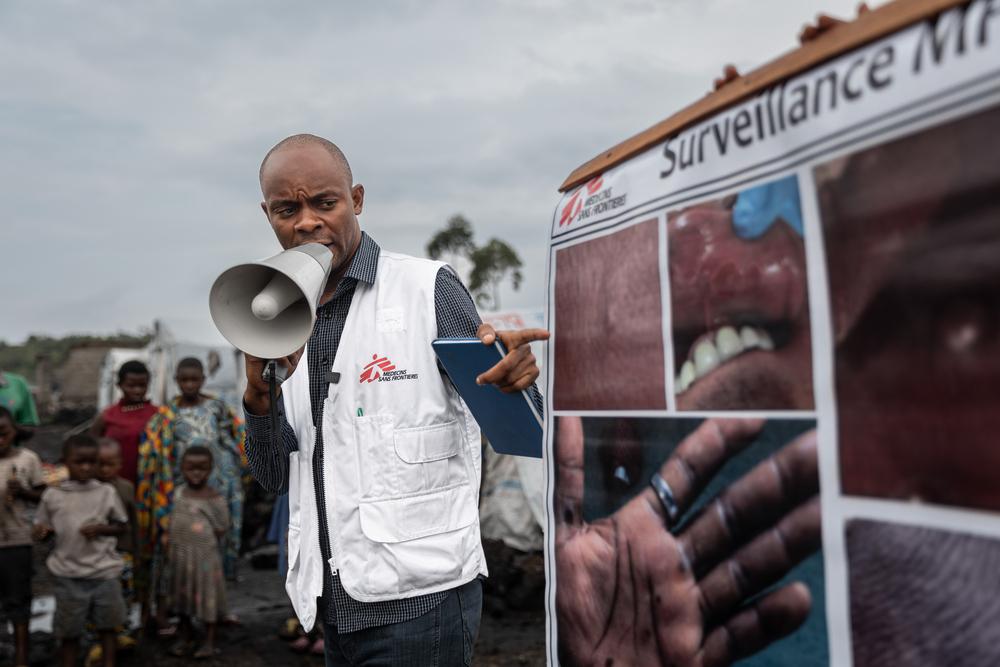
256 396
729 74
41 531
517 370
824 23
629 589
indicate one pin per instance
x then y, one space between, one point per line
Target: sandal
179 648
169 631
206 652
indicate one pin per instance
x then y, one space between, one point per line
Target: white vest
401 457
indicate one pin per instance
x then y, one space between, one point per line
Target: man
382 476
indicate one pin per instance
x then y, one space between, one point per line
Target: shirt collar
365 262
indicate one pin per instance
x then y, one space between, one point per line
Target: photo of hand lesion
609 323
688 542
739 302
912 248
922 596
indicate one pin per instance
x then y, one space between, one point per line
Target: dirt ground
512 630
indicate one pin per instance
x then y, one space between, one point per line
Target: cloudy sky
131 133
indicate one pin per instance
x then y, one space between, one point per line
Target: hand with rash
629 592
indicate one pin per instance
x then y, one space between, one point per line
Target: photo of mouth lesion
912 247
739 301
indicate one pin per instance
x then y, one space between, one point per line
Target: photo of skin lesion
608 352
739 302
912 246
921 596
719 563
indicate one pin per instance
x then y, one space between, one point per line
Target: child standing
20 484
126 420
109 463
194 565
87 518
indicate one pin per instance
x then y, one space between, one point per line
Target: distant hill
21 358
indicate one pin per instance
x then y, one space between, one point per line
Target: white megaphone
268 308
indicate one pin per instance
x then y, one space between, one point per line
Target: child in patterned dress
194 564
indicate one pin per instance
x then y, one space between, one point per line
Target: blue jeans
442 637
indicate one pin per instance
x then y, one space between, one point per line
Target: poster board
774 371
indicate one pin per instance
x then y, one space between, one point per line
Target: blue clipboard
510 421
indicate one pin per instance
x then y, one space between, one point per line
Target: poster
773 420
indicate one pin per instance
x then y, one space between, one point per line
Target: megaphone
268 308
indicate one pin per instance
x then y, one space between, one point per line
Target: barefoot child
87 518
194 564
20 484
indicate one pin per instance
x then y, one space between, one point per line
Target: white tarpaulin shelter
514 486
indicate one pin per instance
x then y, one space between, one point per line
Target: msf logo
575 204
375 368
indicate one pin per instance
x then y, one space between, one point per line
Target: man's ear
358 196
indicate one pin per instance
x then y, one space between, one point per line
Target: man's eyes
328 203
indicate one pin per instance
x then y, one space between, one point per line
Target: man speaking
382 476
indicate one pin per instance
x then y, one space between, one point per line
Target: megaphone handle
271 372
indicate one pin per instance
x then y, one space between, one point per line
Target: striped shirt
456 318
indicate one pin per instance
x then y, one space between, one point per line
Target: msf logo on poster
380 369
591 200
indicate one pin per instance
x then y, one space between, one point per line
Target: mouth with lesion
741 335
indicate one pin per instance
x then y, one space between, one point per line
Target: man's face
308 198
108 464
82 463
134 387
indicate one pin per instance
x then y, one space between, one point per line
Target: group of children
106 537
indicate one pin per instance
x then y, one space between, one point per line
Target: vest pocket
423 515
398 462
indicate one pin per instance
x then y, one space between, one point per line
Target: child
109 463
87 518
194 565
20 483
126 420
190 419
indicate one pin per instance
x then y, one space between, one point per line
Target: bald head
297 140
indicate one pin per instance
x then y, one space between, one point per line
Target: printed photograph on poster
739 302
688 541
921 596
910 234
609 323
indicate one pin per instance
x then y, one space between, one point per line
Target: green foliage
491 264
455 239
21 358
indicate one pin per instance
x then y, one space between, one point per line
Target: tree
490 265
454 240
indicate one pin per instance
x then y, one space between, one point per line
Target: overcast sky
131 133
